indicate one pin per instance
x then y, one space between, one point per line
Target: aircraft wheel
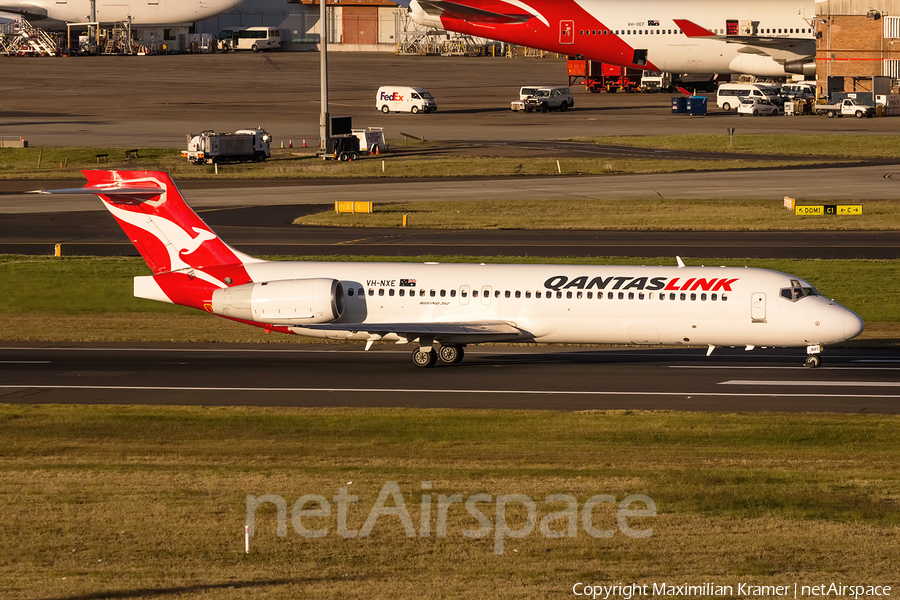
451 354
385 109
424 358
813 361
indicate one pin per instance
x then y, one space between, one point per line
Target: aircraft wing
458 332
32 13
760 43
753 44
438 8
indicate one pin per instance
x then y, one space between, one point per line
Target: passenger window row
568 295
761 31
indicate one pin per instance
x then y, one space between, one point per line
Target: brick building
857 46
360 25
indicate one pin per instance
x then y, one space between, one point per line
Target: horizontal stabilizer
443 8
141 193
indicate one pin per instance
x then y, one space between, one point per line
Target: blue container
679 105
696 105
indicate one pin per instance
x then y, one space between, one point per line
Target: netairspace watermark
556 524
746 590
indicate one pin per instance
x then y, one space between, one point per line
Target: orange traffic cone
304 142
290 142
376 149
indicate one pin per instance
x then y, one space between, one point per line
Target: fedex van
395 98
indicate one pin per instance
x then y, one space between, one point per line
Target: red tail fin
168 234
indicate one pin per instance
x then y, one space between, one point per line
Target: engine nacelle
804 67
288 301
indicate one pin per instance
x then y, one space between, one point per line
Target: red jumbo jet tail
188 260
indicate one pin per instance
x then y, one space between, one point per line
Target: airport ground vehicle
451 305
757 107
799 90
524 92
729 95
656 81
397 98
359 142
250 38
241 146
847 106
556 97
598 76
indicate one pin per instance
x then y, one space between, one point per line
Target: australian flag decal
653 23
407 283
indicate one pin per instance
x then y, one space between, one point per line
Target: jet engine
803 66
289 301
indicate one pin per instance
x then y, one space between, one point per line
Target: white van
799 89
395 98
250 38
729 95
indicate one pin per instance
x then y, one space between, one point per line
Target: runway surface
534 378
266 230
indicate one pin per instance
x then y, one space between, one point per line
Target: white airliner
762 37
448 306
54 14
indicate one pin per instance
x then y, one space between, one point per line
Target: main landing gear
813 360
427 357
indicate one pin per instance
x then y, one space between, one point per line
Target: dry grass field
150 502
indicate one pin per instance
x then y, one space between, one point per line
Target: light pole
324 119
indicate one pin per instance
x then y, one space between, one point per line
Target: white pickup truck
848 106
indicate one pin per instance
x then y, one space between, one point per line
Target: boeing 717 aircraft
764 37
54 14
441 308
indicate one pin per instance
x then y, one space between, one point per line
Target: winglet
691 29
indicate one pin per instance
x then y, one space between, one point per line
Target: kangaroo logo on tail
188 260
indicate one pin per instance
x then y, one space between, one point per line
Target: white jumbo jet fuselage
54 14
764 37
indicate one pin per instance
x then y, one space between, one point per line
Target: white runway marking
24 362
162 388
793 367
813 383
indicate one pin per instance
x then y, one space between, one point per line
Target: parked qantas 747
771 38
440 308
55 14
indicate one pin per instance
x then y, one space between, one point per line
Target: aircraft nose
853 325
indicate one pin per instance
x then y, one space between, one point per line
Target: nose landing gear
813 360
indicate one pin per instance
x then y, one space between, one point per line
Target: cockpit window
795 293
